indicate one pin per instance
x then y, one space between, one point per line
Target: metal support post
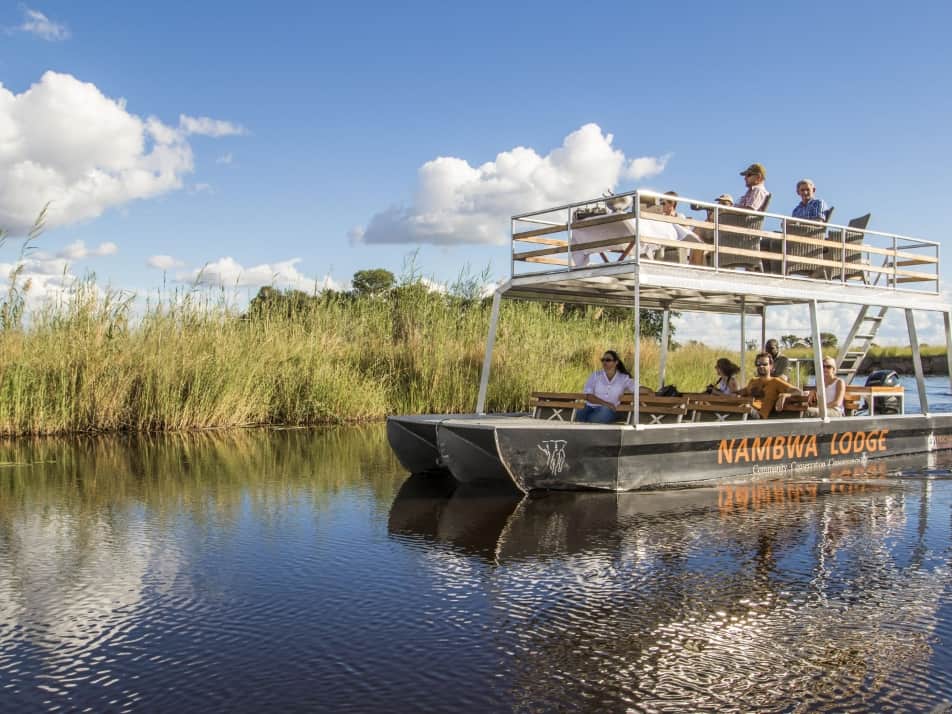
947 317
763 327
488 357
665 338
917 361
743 340
818 363
636 362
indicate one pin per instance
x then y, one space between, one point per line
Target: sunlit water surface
303 571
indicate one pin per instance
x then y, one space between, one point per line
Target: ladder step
863 337
874 318
854 353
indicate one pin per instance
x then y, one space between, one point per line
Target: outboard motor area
884 378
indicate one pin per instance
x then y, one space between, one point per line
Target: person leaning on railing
810 207
669 207
769 390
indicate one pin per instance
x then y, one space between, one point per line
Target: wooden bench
561 406
797 404
662 410
719 407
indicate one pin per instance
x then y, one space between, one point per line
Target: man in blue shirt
810 207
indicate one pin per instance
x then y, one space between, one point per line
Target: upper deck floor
759 253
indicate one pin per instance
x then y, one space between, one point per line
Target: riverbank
91 365
899 359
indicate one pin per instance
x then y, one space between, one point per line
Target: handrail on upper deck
826 252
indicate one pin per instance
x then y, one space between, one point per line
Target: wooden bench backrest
719 407
557 406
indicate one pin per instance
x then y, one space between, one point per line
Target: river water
302 570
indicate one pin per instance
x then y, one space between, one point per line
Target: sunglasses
762 364
608 359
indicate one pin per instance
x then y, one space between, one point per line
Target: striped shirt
754 199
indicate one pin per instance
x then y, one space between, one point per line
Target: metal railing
588 233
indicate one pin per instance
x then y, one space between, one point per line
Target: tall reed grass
90 364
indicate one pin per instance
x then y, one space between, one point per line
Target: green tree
373 281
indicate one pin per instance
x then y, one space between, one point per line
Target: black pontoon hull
533 454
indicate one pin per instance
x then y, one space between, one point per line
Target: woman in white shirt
603 391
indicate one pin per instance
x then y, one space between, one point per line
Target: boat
740 262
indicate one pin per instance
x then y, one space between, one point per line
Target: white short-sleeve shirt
608 389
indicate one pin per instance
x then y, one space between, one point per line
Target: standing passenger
810 207
780 363
756 197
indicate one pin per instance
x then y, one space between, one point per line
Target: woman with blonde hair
834 391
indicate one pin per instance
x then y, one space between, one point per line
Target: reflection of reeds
84 365
208 475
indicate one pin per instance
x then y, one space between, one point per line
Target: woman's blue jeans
599 414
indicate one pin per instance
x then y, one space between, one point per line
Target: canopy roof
683 288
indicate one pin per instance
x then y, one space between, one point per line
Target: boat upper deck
730 260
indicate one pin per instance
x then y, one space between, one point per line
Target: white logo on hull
554 451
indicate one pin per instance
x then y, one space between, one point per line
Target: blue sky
327 112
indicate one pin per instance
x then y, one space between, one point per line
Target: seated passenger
726 383
769 390
604 389
834 389
810 207
669 207
754 177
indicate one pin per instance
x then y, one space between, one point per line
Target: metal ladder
861 335
857 344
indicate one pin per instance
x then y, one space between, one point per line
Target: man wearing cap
756 196
810 207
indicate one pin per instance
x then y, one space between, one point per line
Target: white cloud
78 250
227 272
201 188
205 126
225 159
164 262
65 143
36 23
646 167
459 203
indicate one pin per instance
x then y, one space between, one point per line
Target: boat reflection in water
753 595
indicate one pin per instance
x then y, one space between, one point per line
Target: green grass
192 362
87 366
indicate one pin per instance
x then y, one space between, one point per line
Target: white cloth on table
625 232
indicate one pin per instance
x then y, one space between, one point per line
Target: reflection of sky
809 598
71 586
303 598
